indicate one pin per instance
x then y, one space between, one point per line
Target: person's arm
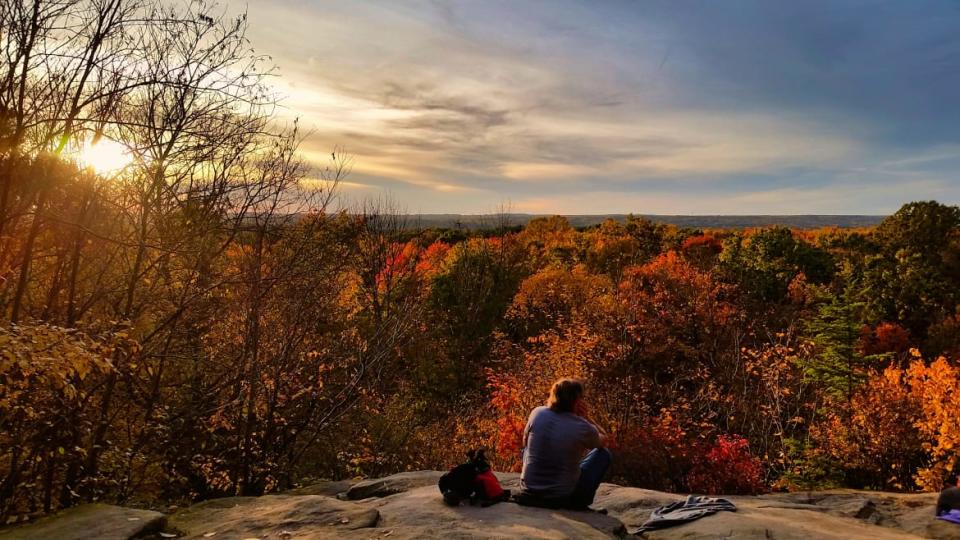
601 437
526 432
583 411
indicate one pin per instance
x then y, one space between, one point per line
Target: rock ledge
408 505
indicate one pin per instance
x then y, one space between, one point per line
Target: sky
643 106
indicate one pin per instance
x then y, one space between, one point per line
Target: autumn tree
903 430
49 376
155 250
551 238
764 262
611 248
67 64
913 278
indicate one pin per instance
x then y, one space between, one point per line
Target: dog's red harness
489 485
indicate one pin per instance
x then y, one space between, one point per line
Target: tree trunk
27 258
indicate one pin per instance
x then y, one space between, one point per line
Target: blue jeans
592 470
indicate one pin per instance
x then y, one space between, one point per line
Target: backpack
473 481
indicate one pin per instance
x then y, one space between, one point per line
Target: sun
105 156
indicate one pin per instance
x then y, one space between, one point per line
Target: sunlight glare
105 157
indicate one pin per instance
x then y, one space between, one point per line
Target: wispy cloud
747 107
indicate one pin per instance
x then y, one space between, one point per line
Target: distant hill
486 221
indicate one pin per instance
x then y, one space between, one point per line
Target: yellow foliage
902 420
936 388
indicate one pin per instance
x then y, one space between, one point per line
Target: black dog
472 480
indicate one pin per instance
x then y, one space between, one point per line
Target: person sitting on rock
555 472
949 498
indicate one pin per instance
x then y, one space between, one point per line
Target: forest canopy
201 318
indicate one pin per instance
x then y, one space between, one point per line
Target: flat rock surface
408 506
420 513
330 488
101 521
279 516
390 485
780 523
822 514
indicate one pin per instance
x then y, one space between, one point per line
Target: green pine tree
837 365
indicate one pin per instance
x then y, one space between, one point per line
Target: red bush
510 439
728 467
656 455
663 456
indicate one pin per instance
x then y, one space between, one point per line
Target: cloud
458 107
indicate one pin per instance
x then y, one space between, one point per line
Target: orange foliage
432 258
678 290
936 388
878 445
904 428
555 295
47 377
705 241
676 311
702 250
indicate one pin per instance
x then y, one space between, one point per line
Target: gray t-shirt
555 444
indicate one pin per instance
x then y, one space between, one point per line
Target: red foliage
431 258
680 313
400 259
662 455
705 242
655 456
702 250
510 440
728 467
505 400
885 338
678 288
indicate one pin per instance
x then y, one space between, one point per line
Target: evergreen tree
837 364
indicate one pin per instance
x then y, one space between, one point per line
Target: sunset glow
106 157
